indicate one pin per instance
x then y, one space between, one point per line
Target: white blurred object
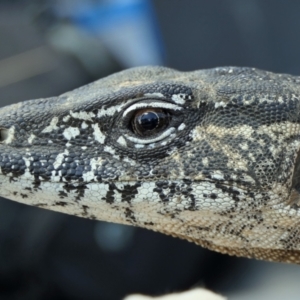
128 29
196 294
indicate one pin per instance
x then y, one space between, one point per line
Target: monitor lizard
210 156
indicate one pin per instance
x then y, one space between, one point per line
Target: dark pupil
148 120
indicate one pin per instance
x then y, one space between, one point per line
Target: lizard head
209 156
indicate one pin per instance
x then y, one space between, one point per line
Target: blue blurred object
128 28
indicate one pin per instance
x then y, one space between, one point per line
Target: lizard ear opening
3 134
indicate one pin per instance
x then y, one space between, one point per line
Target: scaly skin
220 170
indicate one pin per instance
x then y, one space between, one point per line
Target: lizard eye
146 122
150 122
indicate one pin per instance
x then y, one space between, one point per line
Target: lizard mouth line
219 184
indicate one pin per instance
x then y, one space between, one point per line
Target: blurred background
48 47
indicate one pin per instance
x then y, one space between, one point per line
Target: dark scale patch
61 203
192 206
167 190
213 196
148 223
79 189
36 184
128 192
208 229
110 198
85 210
62 194
12 179
129 214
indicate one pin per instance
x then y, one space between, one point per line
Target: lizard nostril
3 134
